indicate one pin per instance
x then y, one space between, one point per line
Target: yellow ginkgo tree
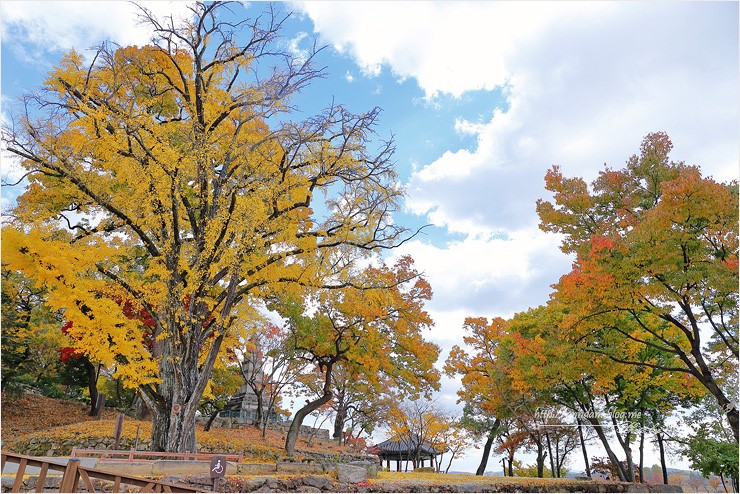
175 175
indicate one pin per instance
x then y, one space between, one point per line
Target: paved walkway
13 467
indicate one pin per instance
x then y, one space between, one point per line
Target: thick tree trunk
511 463
301 414
339 422
175 400
173 432
487 447
173 421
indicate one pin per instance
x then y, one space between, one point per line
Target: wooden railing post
19 476
74 472
41 480
71 476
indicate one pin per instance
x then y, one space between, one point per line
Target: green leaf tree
31 333
713 457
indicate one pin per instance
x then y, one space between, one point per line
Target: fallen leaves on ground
30 413
400 478
38 416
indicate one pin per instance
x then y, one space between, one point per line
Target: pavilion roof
404 446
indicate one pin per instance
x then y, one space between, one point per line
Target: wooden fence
132 454
73 472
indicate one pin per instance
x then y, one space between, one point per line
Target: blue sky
482 98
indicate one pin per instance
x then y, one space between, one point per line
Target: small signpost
218 469
117 431
136 441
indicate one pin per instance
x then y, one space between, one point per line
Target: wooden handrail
74 472
130 455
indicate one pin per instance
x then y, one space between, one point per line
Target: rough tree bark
339 419
301 414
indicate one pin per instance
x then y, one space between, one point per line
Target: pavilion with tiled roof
406 449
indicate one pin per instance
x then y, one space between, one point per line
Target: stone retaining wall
158 468
235 423
43 446
314 477
319 483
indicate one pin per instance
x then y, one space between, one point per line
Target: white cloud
11 171
584 82
585 94
487 276
40 28
448 47
294 47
